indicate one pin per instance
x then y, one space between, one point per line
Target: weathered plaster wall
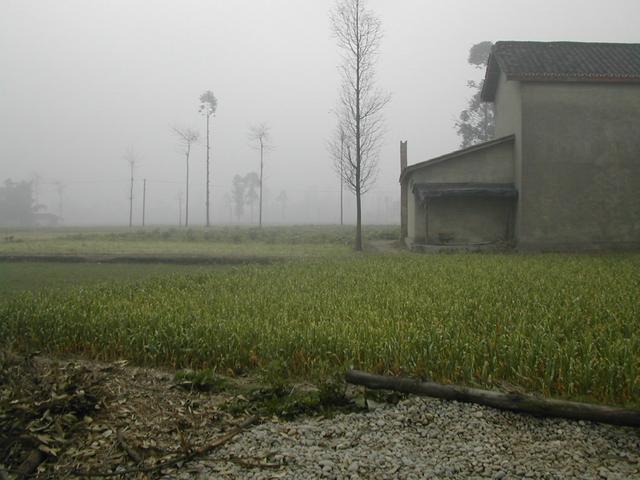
490 165
508 104
580 179
411 219
508 107
403 192
468 221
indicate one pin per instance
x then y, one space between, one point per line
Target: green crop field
17 277
295 241
554 324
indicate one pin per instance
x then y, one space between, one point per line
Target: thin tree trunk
208 218
144 199
261 164
341 179
358 213
186 211
131 200
358 145
211 183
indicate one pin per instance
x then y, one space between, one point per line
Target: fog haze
82 81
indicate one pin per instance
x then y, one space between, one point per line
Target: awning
423 191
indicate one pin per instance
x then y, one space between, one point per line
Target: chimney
403 156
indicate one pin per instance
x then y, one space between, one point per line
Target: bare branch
187 136
260 137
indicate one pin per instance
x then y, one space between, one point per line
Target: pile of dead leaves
42 406
78 419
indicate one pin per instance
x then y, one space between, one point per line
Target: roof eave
491 77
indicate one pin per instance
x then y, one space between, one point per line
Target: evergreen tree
476 124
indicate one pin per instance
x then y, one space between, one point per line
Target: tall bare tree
187 137
260 136
130 157
208 106
358 32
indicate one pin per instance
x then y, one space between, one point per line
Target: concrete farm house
564 168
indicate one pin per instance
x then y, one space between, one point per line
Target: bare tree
358 32
260 136
208 106
187 137
130 157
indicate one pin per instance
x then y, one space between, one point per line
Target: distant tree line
18 206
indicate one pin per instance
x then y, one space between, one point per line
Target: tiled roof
562 61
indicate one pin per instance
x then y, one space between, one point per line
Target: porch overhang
424 191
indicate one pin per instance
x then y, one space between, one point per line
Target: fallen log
505 401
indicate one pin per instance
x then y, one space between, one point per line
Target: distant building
564 169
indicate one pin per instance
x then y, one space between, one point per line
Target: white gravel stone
428 438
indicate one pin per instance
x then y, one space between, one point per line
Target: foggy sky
83 80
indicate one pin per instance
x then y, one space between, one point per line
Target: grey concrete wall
403 192
411 220
468 221
489 165
416 225
580 179
508 103
508 107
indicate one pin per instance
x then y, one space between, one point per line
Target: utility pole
144 199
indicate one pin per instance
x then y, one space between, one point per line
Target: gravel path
427 438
